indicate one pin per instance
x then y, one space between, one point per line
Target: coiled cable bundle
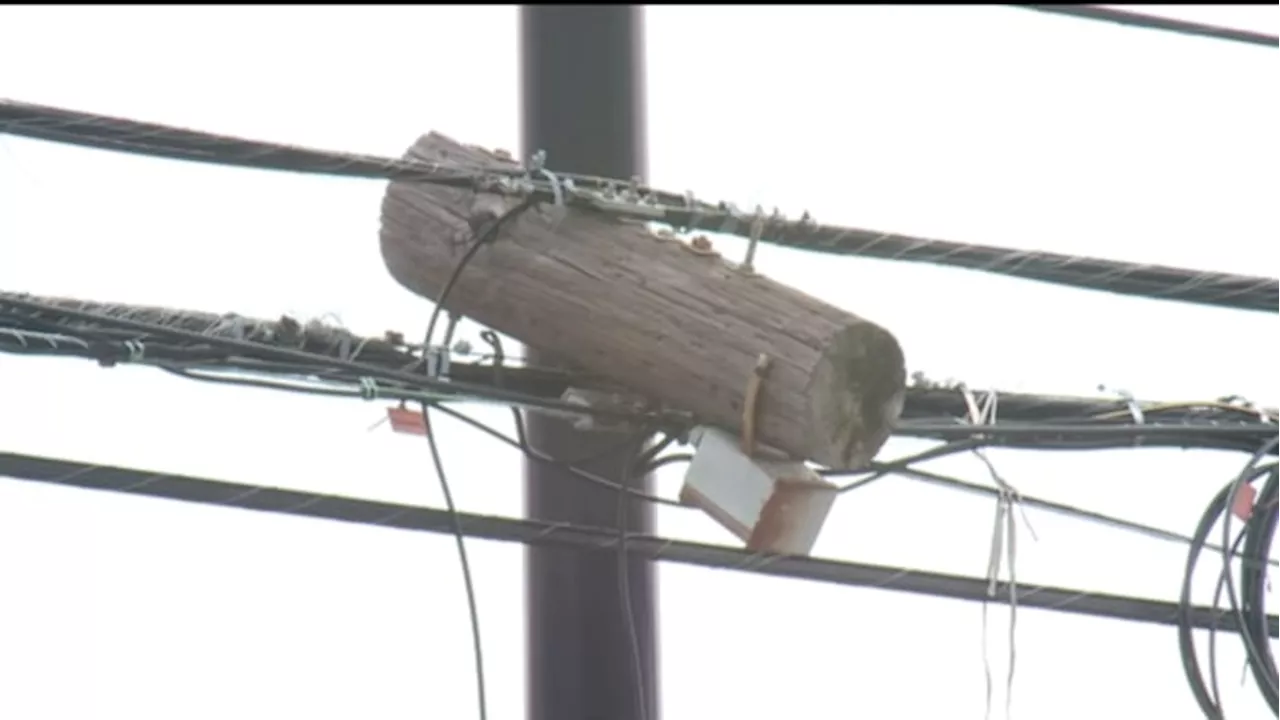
1251 545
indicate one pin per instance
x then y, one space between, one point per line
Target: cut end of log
856 394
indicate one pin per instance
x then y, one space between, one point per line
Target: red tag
1242 505
404 420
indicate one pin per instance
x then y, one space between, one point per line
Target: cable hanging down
625 199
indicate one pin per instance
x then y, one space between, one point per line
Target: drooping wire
487 235
633 445
463 561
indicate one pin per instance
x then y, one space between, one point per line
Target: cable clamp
538 165
136 350
436 358
1134 408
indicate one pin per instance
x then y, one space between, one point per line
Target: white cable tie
369 388
136 349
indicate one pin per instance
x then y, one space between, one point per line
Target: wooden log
651 313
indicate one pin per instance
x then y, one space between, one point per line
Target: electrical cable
925 400
1260 533
1155 22
677 210
285 354
633 447
1214 686
198 342
165 486
1221 506
1089 516
1186 643
463 561
1267 684
487 235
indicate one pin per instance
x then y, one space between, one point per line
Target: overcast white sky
983 124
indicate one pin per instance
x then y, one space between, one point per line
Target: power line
1154 22
315 359
618 198
407 517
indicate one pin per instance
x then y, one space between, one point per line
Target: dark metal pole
582 90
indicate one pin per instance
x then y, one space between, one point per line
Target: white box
772 505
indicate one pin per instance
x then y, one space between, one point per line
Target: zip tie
1134 408
136 349
369 388
437 358
538 166
1004 529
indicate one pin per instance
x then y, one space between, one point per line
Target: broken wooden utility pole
669 319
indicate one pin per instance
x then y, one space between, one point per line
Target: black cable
880 470
664 461
1220 504
468 584
1214 686
541 457
1260 534
1090 516
1267 685
646 464
462 389
1186 642
488 234
164 486
674 209
525 448
1154 22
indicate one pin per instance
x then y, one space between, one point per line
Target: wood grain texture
648 312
